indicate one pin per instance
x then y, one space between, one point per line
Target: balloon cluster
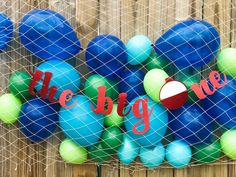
191 43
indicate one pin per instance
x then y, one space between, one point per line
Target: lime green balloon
154 61
19 84
98 154
189 81
153 81
113 119
95 81
226 61
10 107
228 143
72 152
207 153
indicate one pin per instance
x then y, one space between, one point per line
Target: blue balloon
106 55
178 154
158 124
38 119
6 31
64 76
189 43
128 151
132 83
152 158
48 35
221 105
80 123
191 124
139 48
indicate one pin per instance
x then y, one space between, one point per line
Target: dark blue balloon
221 105
132 83
6 31
191 124
189 43
38 119
48 35
106 55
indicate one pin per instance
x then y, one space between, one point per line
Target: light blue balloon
139 48
64 76
178 154
128 151
158 124
80 123
152 158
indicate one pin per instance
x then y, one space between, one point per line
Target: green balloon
154 61
95 81
228 143
189 81
72 152
113 119
153 81
207 153
226 61
10 108
19 84
112 138
98 154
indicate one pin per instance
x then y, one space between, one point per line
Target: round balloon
226 61
64 76
10 108
106 55
132 83
228 143
6 27
152 85
152 158
19 84
48 35
80 123
191 124
158 121
112 138
38 119
98 154
156 62
139 49
113 119
207 153
178 154
189 43
72 152
128 150
94 82
221 105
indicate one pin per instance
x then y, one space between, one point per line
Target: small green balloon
72 152
113 119
189 81
112 138
98 154
155 62
10 108
226 61
228 143
95 81
207 153
19 84
153 81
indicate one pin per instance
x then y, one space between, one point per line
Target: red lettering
121 105
65 97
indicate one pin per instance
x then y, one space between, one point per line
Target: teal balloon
128 151
154 157
178 154
139 48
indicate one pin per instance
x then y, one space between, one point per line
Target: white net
123 19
